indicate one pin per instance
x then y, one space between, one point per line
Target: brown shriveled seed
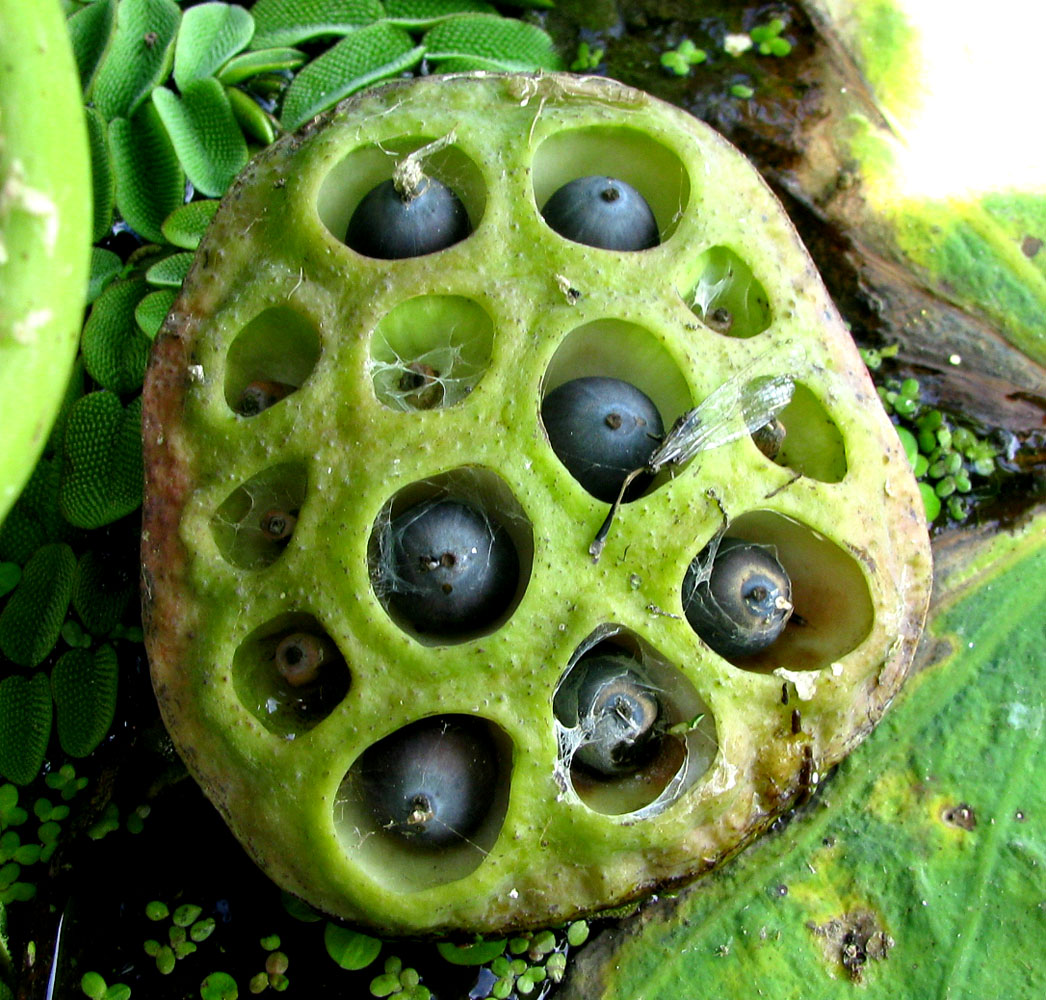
769 438
260 395
299 657
278 525
420 382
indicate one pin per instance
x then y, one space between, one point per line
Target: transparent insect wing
737 407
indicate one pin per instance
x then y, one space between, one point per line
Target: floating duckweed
681 59
767 38
157 910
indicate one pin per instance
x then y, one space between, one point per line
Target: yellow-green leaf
486 41
287 22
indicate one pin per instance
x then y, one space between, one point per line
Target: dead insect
720 320
769 438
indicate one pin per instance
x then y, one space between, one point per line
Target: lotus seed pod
418 382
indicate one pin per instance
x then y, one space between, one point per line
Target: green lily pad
489 42
370 54
138 57
927 842
287 22
209 143
102 460
150 183
210 35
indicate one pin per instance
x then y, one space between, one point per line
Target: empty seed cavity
270 358
290 674
430 352
257 521
726 296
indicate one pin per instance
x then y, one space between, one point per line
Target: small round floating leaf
350 949
490 42
210 35
219 986
92 983
170 272
603 212
138 58
602 429
429 783
150 182
103 184
84 686
105 266
32 618
370 54
150 313
287 22
390 224
249 64
479 953
743 605
206 138
102 460
451 568
185 226
25 726
115 351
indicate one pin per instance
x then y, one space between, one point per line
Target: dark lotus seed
743 606
602 429
431 783
390 226
452 568
619 713
260 395
602 212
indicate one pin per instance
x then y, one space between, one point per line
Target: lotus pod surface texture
311 412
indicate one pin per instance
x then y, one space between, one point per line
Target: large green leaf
209 143
150 183
370 54
287 22
920 868
486 41
210 36
138 58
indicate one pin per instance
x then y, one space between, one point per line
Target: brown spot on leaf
853 940
960 815
1030 246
